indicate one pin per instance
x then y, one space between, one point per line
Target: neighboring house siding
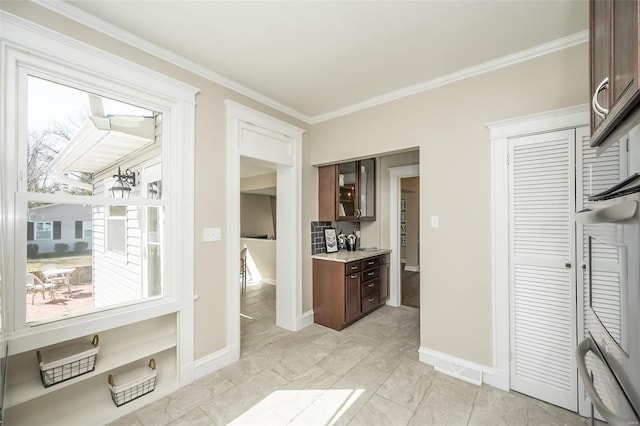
117 277
63 217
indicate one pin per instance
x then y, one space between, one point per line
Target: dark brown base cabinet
345 292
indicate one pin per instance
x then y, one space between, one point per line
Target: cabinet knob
354 267
353 276
372 299
370 285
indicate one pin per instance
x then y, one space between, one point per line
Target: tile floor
368 374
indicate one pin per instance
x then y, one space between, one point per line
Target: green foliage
32 250
80 246
61 248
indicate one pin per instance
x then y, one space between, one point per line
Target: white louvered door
542 267
594 175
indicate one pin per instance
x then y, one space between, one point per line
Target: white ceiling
314 59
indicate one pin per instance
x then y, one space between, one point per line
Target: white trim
215 361
462 369
84 18
395 175
243 124
412 268
505 61
306 319
270 281
500 133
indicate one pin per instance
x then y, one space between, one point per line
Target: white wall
256 215
263 253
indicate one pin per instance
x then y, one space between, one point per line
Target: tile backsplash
317 233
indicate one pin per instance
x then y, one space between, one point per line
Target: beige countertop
345 256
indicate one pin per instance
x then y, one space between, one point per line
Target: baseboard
412 268
271 281
215 361
462 369
305 320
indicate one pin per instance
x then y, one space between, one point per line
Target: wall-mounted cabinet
347 191
614 66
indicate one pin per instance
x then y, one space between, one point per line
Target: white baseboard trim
412 268
305 320
215 361
462 369
271 281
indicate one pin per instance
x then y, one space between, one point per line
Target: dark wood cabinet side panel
599 42
328 293
352 297
327 185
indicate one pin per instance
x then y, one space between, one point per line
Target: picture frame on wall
331 240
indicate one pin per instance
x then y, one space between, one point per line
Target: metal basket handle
95 340
110 379
152 363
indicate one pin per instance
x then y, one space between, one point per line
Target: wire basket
133 384
67 362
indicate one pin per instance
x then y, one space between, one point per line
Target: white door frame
395 176
500 132
256 135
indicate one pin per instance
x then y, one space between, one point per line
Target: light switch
211 234
435 221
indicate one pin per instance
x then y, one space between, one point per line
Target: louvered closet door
542 253
594 175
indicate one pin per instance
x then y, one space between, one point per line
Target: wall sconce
122 186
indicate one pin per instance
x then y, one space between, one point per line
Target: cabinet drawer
370 287
370 302
370 263
370 274
353 267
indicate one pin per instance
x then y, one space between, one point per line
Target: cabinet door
624 57
347 192
352 297
367 189
384 281
600 43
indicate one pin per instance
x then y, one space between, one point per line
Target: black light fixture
122 186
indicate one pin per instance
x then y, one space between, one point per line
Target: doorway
410 241
396 266
255 135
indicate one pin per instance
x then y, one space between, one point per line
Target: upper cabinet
347 191
614 42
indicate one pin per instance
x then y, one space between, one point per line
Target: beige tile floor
368 374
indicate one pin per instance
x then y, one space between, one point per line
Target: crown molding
71 12
505 61
67 10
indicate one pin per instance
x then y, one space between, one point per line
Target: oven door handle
585 346
612 214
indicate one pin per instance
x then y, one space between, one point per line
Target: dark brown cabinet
614 66
345 292
347 191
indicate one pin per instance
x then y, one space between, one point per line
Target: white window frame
35 231
26 46
87 225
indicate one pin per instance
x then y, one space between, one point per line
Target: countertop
345 256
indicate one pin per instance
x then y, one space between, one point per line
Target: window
44 230
83 229
117 229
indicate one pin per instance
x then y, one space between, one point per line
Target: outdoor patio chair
56 276
35 285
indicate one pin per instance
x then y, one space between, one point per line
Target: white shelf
89 402
32 388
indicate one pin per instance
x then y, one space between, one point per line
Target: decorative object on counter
67 362
133 384
351 242
331 240
341 241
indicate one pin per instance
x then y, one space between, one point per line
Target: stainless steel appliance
609 359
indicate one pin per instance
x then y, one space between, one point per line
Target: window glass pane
77 140
68 275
